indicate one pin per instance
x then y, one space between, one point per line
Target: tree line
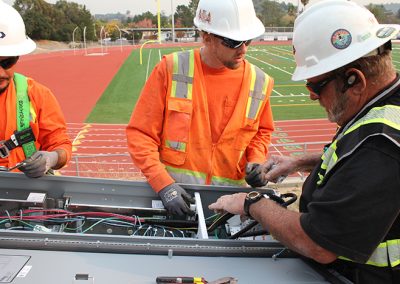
58 21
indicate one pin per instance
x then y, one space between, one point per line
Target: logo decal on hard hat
2 35
385 32
341 39
204 16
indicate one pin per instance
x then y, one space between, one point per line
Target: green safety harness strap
23 112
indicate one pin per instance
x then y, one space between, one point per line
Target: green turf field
289 99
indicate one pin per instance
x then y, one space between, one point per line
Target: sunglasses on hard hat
233 44
317 87
8 62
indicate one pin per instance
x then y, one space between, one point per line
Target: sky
140 6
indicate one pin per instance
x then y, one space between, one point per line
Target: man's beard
338 108
2 89
231 65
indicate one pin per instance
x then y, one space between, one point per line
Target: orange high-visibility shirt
225 98
48 126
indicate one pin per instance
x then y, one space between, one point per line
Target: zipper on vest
210 171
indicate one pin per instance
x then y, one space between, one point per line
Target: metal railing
120 166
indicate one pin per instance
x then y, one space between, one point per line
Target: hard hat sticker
204 16
341 39
385 32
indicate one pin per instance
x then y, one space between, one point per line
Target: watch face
253 195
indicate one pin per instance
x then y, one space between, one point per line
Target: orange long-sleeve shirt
49 125
145 128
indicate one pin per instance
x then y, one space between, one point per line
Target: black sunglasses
233 44
8 62
317 87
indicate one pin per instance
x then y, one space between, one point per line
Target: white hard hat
234 19
13 40
333 33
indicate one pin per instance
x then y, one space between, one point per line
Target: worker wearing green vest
350 204
33 136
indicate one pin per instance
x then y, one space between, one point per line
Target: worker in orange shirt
204 114
33 134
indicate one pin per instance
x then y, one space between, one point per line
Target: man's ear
355 80
207 38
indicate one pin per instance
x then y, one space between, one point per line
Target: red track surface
100 150
76 80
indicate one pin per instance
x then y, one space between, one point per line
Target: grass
289 100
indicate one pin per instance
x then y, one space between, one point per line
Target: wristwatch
251 198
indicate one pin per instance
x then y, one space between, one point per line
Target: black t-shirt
354 210
358 205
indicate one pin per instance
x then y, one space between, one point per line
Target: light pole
159 20
73 38
173 20
120 37
84 40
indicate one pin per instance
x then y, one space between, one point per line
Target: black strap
18 139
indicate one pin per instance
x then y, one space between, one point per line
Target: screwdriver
180 279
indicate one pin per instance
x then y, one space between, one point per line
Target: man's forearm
284 225
307 162
62 159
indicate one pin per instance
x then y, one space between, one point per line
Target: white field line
148 64
271 65
279 94
276 55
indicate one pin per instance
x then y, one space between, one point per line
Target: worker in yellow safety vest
350 204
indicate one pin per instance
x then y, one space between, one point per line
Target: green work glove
39 163
176 200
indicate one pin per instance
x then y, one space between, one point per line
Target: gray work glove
39 163
255 177
176 199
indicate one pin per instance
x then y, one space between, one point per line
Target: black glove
39 163
176 199
254 175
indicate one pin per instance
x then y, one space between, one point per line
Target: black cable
293 198
220 220
244 230
255 233
278 199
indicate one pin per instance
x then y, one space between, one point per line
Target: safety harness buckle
19 138
4 152
22 137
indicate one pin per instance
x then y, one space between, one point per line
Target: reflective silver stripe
388 115
180 146
186 176
394 252
257 92
387 254
226 181
182 77
193 177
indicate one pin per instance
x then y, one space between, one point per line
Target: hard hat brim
255 30
23 48
346 56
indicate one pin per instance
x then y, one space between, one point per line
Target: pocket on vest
178 120
172 156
